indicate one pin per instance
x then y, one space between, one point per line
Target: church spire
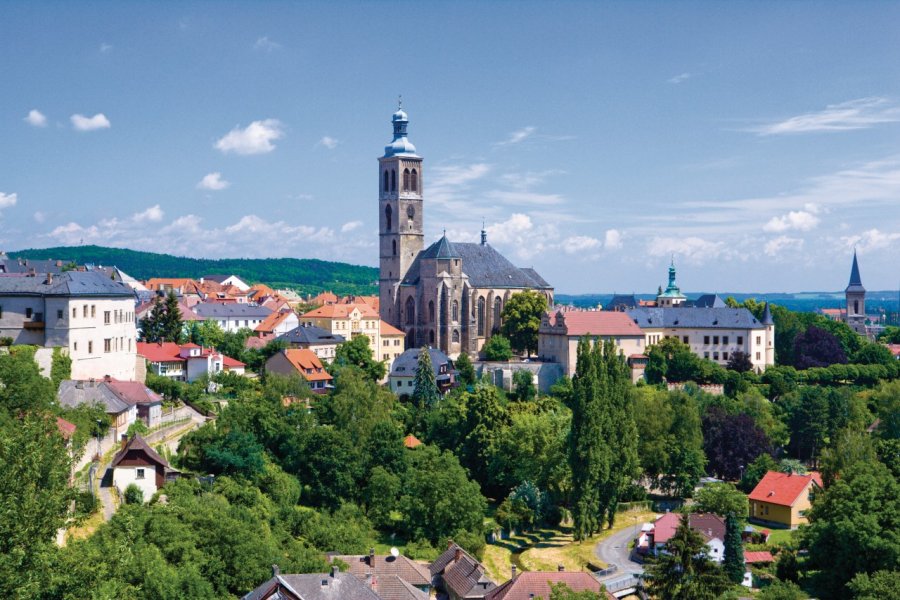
400 144
855 284
483 234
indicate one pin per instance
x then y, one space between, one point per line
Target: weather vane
399 101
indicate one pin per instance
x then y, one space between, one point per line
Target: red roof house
532 585
783 498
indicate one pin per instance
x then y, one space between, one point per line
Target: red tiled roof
303 359
341 311
133 392
598 322
708 525
269 324
536 584
783 489
66 429
758 557
388 329
412 441
895 349
159 352
232 363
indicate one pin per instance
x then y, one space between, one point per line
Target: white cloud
800 220
153 214
350 226
518 199
873 239
328 142
39 216
577 244
781 244
256 138
105 48
83 123
695 249
613 239
861 113
213 181
8 200
265 44
518 136
680 78
36 118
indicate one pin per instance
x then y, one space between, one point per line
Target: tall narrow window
410 311
405 180
455 310
387 181
480 316
393 180
394 246
388 214
856 307
414 181
431 312
455 336
495 326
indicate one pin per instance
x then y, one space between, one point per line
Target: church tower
856 300
399 215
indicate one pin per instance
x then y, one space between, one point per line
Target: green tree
235 453
152 324
497 348
523 386
890 335
849 448
873 354
22 387
486 418
521 320
683 571
171 327
755 471
60 367
854 527
722 499
207 334
686 461
134 494
357 352
465 369
781 590
425 394
560 591
877 586
733 563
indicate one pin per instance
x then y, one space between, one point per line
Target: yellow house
351 320
782 499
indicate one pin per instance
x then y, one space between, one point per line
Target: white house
187 362
87 314
139 464
711 527
232 317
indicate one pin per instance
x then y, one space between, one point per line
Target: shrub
134 494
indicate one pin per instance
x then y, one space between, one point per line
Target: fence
642 504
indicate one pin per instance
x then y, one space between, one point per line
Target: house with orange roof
560 332
303 362
278 323
324 299
532 585
182 286
392 343
186 362
783 499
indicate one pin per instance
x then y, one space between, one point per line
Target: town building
139 464
393 344
783 499
402 378
92 392
560 332
234 316
187 362
537 584
711 527
321 341
302 362
313 586
459 575
226 280
450 295
352 320
855 296
88 315
392 576
278 323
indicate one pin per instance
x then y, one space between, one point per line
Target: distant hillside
304 274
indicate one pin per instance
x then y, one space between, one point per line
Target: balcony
33 325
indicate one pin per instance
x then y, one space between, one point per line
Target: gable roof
388 574
696 317
536 584
461 573
66 429
708 525
69 283
303 359
341 311
707 301
763 556
387 329
274 320
133 392
313 586
406 364
75 393
158 352
138 444
783 489
310 335
596 322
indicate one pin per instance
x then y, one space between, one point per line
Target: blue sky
757 142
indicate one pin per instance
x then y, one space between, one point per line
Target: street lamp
741 467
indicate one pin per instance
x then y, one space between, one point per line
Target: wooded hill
304 274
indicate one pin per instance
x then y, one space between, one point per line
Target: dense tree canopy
521 319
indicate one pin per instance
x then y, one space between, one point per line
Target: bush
6 341
85 504
134 494
421 550
497 348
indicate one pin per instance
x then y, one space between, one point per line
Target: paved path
614 550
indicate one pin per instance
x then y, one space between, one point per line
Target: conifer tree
171 326
465 369
151 325
426 394
734 550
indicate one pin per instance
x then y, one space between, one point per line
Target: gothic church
448 296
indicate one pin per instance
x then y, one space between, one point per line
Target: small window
724 356
715 356
706 340
685 339
740 340
139 473
28 313
90 347
758 340
725 340
757 356
59 314
107 345
93 310
706 355
74 346
84 311
106 317
715 340
74 312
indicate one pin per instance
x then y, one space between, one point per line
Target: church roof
484 266
855 284
441 249
694 318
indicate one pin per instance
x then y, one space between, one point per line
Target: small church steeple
483 234
855 295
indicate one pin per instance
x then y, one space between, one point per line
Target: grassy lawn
779 536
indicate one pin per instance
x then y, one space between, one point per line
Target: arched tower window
387 181
431 311
480 316
394 246
455 336
393 180
856 307
496 317
388 213
410 311
405 180
455 311
414 181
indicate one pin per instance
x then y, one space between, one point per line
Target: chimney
513 569
560 568
334 571
79 385
275 571
457 555
49 278
372 558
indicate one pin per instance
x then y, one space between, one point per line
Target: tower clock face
410 211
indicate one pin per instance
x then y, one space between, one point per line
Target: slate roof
405 365
70 283
707 301
441 249
25 265
783 489
622 302
462 574
484 266
71 395
855 284
536 584
313 586
697 318
310 335
208 310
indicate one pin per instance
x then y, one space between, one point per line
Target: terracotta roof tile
341 311
388 329
758 557
783 489
303 360
536 584
597 322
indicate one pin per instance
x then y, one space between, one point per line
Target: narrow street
615 550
